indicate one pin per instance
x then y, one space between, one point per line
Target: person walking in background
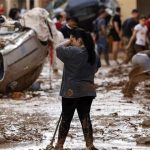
72 23
140 34
108 18
130 23
101 35
59 22
77 90
116 34
128 27
2 10
23 9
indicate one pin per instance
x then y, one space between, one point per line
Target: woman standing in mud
77 90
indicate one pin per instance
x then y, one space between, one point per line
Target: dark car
84 10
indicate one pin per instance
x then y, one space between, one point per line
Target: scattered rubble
143 140
146 123
119 123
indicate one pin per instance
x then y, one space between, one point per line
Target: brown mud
28 123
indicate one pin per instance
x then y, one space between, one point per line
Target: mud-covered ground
28 123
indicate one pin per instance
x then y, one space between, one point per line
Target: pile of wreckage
24 46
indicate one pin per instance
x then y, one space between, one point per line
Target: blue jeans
102 45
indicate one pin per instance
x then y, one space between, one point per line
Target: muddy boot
128 94
106 56
124 89
49 147
58 147
129 89
92 147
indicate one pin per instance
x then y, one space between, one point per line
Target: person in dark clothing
77 90
14 13
128 27
130 23
2 19
59 23
116 33
116 22
108 19
72 23
101 35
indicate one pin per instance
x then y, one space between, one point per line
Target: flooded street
29 123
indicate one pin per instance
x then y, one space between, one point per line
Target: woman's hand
67 42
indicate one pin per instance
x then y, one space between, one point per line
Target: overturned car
23 51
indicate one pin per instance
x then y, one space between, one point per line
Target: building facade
28 4
128 5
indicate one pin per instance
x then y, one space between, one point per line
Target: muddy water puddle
29 124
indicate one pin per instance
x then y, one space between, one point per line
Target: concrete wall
127 6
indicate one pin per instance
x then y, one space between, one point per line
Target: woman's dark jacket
78 73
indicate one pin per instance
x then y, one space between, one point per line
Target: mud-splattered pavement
28 123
